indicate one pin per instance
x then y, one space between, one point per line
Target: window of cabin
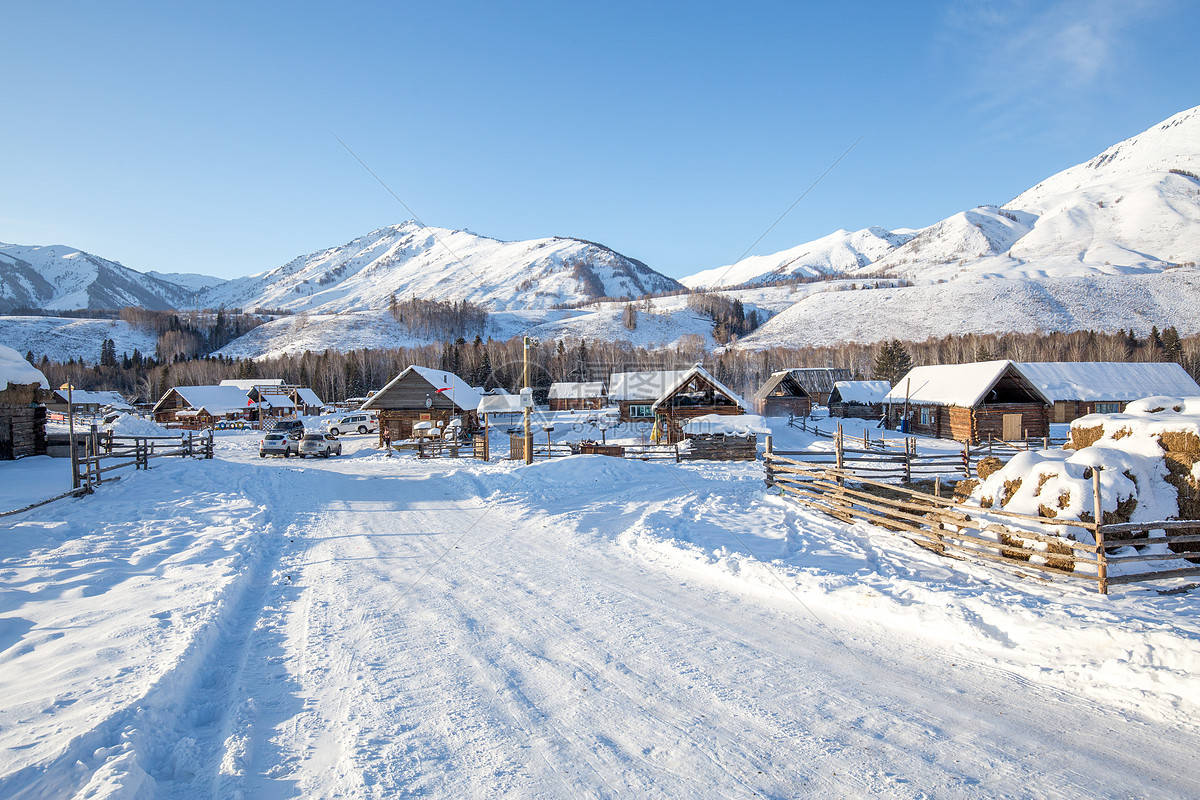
640 410
1108 408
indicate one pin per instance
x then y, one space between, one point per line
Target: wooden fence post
1101 556
840 455
910 444
967 458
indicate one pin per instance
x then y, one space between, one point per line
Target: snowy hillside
64 278
62 338
1096 302
440 264
839 252
668 323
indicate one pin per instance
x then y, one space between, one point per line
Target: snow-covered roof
565 390
867 393
83 396
274 401
500 404
701 372
458 390
308 397
15 369
1109 381
216 400
646 386
740 425
246 384
955 384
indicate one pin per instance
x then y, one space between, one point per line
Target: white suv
360 422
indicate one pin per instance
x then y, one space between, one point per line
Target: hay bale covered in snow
1150 468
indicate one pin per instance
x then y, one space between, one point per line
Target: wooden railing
105 452
990 535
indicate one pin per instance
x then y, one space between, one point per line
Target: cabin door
1011 428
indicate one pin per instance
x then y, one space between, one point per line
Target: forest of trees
335 375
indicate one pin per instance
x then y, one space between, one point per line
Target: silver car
317 444
276 444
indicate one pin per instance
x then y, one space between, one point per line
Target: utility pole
527 402
71 435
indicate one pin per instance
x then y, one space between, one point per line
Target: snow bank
130 425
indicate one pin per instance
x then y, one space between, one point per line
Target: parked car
293 428
277 444
320 444
360 422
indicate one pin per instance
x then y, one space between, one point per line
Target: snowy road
440 630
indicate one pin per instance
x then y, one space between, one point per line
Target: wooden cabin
635 392
696 394
782 395
83 401
23 390
200 407
1077 389
582 396
970 402
818 381
421 394
858 399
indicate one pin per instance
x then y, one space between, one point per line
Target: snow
132 425
646 386
216 400
866 393
1108 381
246 384
739 425
699 371
500 404
111 400
839 252
16 370
408 260
950 384
62 338
376 627
567 390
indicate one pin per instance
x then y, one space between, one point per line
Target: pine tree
164 380
892 362
629 317
1171 345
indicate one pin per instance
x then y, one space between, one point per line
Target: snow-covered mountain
60 277
1133 209
440 264
839 252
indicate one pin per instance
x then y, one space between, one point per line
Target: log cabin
422 394
970 403
200 407
858 399
782 395
1077 389
581 396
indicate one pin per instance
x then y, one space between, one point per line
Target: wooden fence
902 450
105 452
991 535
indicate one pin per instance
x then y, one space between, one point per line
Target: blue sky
200 137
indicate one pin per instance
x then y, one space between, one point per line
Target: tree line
490 363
